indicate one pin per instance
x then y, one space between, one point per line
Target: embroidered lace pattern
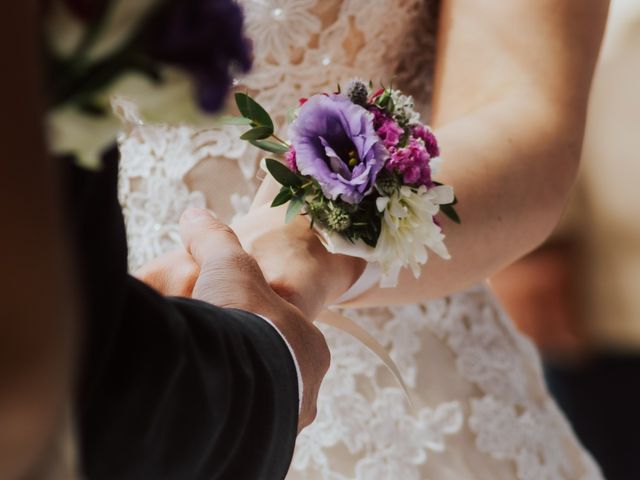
480 407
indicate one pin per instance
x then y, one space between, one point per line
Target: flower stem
279 139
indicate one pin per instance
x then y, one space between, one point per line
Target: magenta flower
290 158
386 127
336 144
426 135
390 133
412 162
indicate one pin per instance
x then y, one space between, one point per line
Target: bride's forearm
512 84
511 183
512 164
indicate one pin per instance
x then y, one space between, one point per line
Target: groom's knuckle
222 230
245 264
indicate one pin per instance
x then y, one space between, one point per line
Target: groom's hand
231 278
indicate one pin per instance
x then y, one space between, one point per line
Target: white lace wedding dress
481 410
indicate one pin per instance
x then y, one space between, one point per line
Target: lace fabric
481 410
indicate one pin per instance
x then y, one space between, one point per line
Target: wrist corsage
361 166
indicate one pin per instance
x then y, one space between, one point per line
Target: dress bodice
306 46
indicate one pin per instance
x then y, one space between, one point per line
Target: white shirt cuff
295 360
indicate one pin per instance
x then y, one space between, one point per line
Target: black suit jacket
169 388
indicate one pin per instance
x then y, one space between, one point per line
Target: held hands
294 262
217 270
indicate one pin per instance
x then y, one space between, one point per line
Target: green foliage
295 207
257 133
252 110
283 197
282 174
450 212
269 146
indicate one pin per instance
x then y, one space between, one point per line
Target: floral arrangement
361 165
176 57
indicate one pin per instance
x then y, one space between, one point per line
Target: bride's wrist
344 272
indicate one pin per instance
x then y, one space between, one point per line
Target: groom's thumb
227 273
206 238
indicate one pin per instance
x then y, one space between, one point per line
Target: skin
231 278
38 309
512 83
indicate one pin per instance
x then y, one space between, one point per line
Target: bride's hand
173 274
294 261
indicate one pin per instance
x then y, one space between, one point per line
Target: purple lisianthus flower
204 37
412 162
337 145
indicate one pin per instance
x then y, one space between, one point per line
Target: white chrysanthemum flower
403 111
408 229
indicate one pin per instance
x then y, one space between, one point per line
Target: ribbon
337 320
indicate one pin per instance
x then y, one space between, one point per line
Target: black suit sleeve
170 388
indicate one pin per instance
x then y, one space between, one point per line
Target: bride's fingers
173 274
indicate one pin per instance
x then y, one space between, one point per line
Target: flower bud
357 92
337 218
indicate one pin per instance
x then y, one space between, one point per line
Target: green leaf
383 100
282 174
252 110
257 133
295 207
230 120
450 212
269 146
283 197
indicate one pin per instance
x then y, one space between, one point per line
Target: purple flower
412 162
337 145
204 37
86 10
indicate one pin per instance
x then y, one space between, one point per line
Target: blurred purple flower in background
87 10
204 37
336 144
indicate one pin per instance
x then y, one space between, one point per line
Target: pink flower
290 158
412 162
426 135
386 128
390 133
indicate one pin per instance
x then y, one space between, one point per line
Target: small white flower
403 111
408 229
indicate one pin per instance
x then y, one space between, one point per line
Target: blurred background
578 296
